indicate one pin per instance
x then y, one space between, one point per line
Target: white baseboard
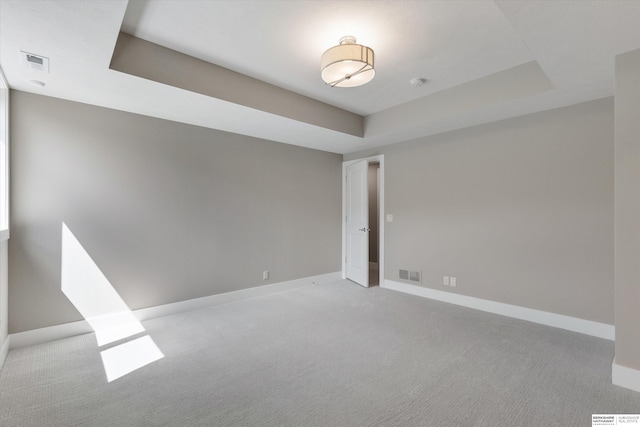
259 291
588 327
625 377
49 333
4 350
66 330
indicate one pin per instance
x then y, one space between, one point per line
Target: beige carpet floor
326 355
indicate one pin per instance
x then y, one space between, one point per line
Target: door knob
364 229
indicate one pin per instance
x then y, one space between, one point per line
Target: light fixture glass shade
348 64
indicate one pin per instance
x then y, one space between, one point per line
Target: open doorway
373 186
363 224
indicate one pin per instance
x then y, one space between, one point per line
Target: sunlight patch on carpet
125 358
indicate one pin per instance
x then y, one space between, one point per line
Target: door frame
381 216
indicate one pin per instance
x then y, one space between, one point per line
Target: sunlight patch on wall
94 297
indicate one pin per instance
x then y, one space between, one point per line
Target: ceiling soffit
150 61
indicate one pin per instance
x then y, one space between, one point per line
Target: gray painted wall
627 209
168 211
519 211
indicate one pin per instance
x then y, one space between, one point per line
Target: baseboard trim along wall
66 330
4 350
625 377
588 327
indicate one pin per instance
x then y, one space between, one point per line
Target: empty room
319 213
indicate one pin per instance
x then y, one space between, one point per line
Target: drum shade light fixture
348 64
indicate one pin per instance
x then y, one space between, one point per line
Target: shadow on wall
102 307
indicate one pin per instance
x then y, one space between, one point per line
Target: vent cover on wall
412 276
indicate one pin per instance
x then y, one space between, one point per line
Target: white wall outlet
389 217
445 280
265 275
452 281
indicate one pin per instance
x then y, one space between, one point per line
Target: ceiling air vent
33 62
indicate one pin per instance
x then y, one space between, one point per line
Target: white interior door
357 223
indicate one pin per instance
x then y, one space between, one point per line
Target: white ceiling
558 52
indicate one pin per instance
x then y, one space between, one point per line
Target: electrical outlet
452 281
445 280
265 275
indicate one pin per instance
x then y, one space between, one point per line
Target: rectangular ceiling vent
33 62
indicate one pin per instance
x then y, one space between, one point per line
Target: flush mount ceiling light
348 64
